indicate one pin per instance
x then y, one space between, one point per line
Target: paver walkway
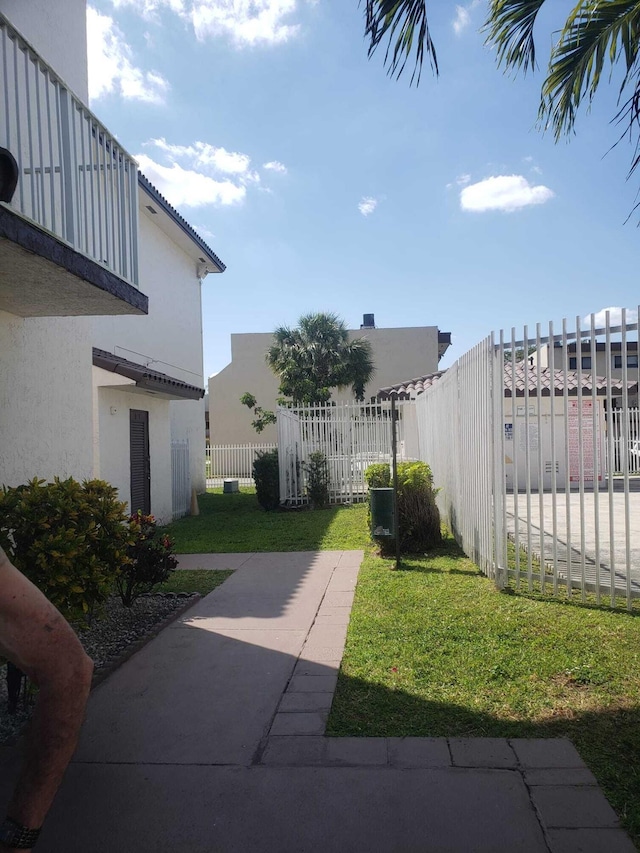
211 739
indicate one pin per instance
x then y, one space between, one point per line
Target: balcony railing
75 180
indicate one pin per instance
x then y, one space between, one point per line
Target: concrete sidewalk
211 738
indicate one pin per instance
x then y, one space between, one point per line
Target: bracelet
16 836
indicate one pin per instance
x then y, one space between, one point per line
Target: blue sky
326 186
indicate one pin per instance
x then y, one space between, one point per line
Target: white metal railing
456 428
75 179
351 435
617 427
533 443
232 460
180 479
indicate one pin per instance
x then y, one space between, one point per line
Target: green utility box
381 504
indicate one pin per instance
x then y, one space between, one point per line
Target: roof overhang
177 227
146 380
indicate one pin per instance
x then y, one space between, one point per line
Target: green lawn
435 650
237 523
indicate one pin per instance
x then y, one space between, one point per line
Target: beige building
397 353
608 362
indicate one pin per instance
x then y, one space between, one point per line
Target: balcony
68 237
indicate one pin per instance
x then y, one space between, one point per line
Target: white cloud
111 68
148 8
202 154
463 16
461 20
367 205
199 173
615 317
503 192
245 22
189 188
275 166
463 180
204 232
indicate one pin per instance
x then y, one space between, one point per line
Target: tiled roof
151 380
406 390
520 376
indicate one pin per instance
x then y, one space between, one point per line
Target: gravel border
109 642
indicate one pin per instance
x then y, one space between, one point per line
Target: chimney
368 321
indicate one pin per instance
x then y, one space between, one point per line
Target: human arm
38 640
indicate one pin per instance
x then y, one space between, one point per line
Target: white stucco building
396 353
100 278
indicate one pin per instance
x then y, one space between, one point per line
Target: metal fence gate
352 436
533 441
180 479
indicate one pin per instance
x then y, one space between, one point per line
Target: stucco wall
170 335
58 31
45 398
398 355
113 430
168 339
539 436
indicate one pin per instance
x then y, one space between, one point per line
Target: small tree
317 356
150 559
263 417
317 470
266 475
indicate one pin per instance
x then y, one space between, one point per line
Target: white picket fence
232 461
352 436
535 464
180 479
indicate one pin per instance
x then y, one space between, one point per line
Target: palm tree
317 356
596 34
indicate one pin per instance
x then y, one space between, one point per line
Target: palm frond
405 23
510 30
596 33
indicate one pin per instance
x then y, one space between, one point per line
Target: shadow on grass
608 741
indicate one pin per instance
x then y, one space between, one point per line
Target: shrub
150 559
266 475
317 469
418 514
70 539
378 476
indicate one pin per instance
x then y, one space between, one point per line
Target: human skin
38 640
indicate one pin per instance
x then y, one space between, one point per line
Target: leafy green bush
317 469
418 514
150 559
266 475
378 475
70 539
420 528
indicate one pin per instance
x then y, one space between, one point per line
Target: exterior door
140 461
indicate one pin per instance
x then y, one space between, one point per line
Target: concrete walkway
211 738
